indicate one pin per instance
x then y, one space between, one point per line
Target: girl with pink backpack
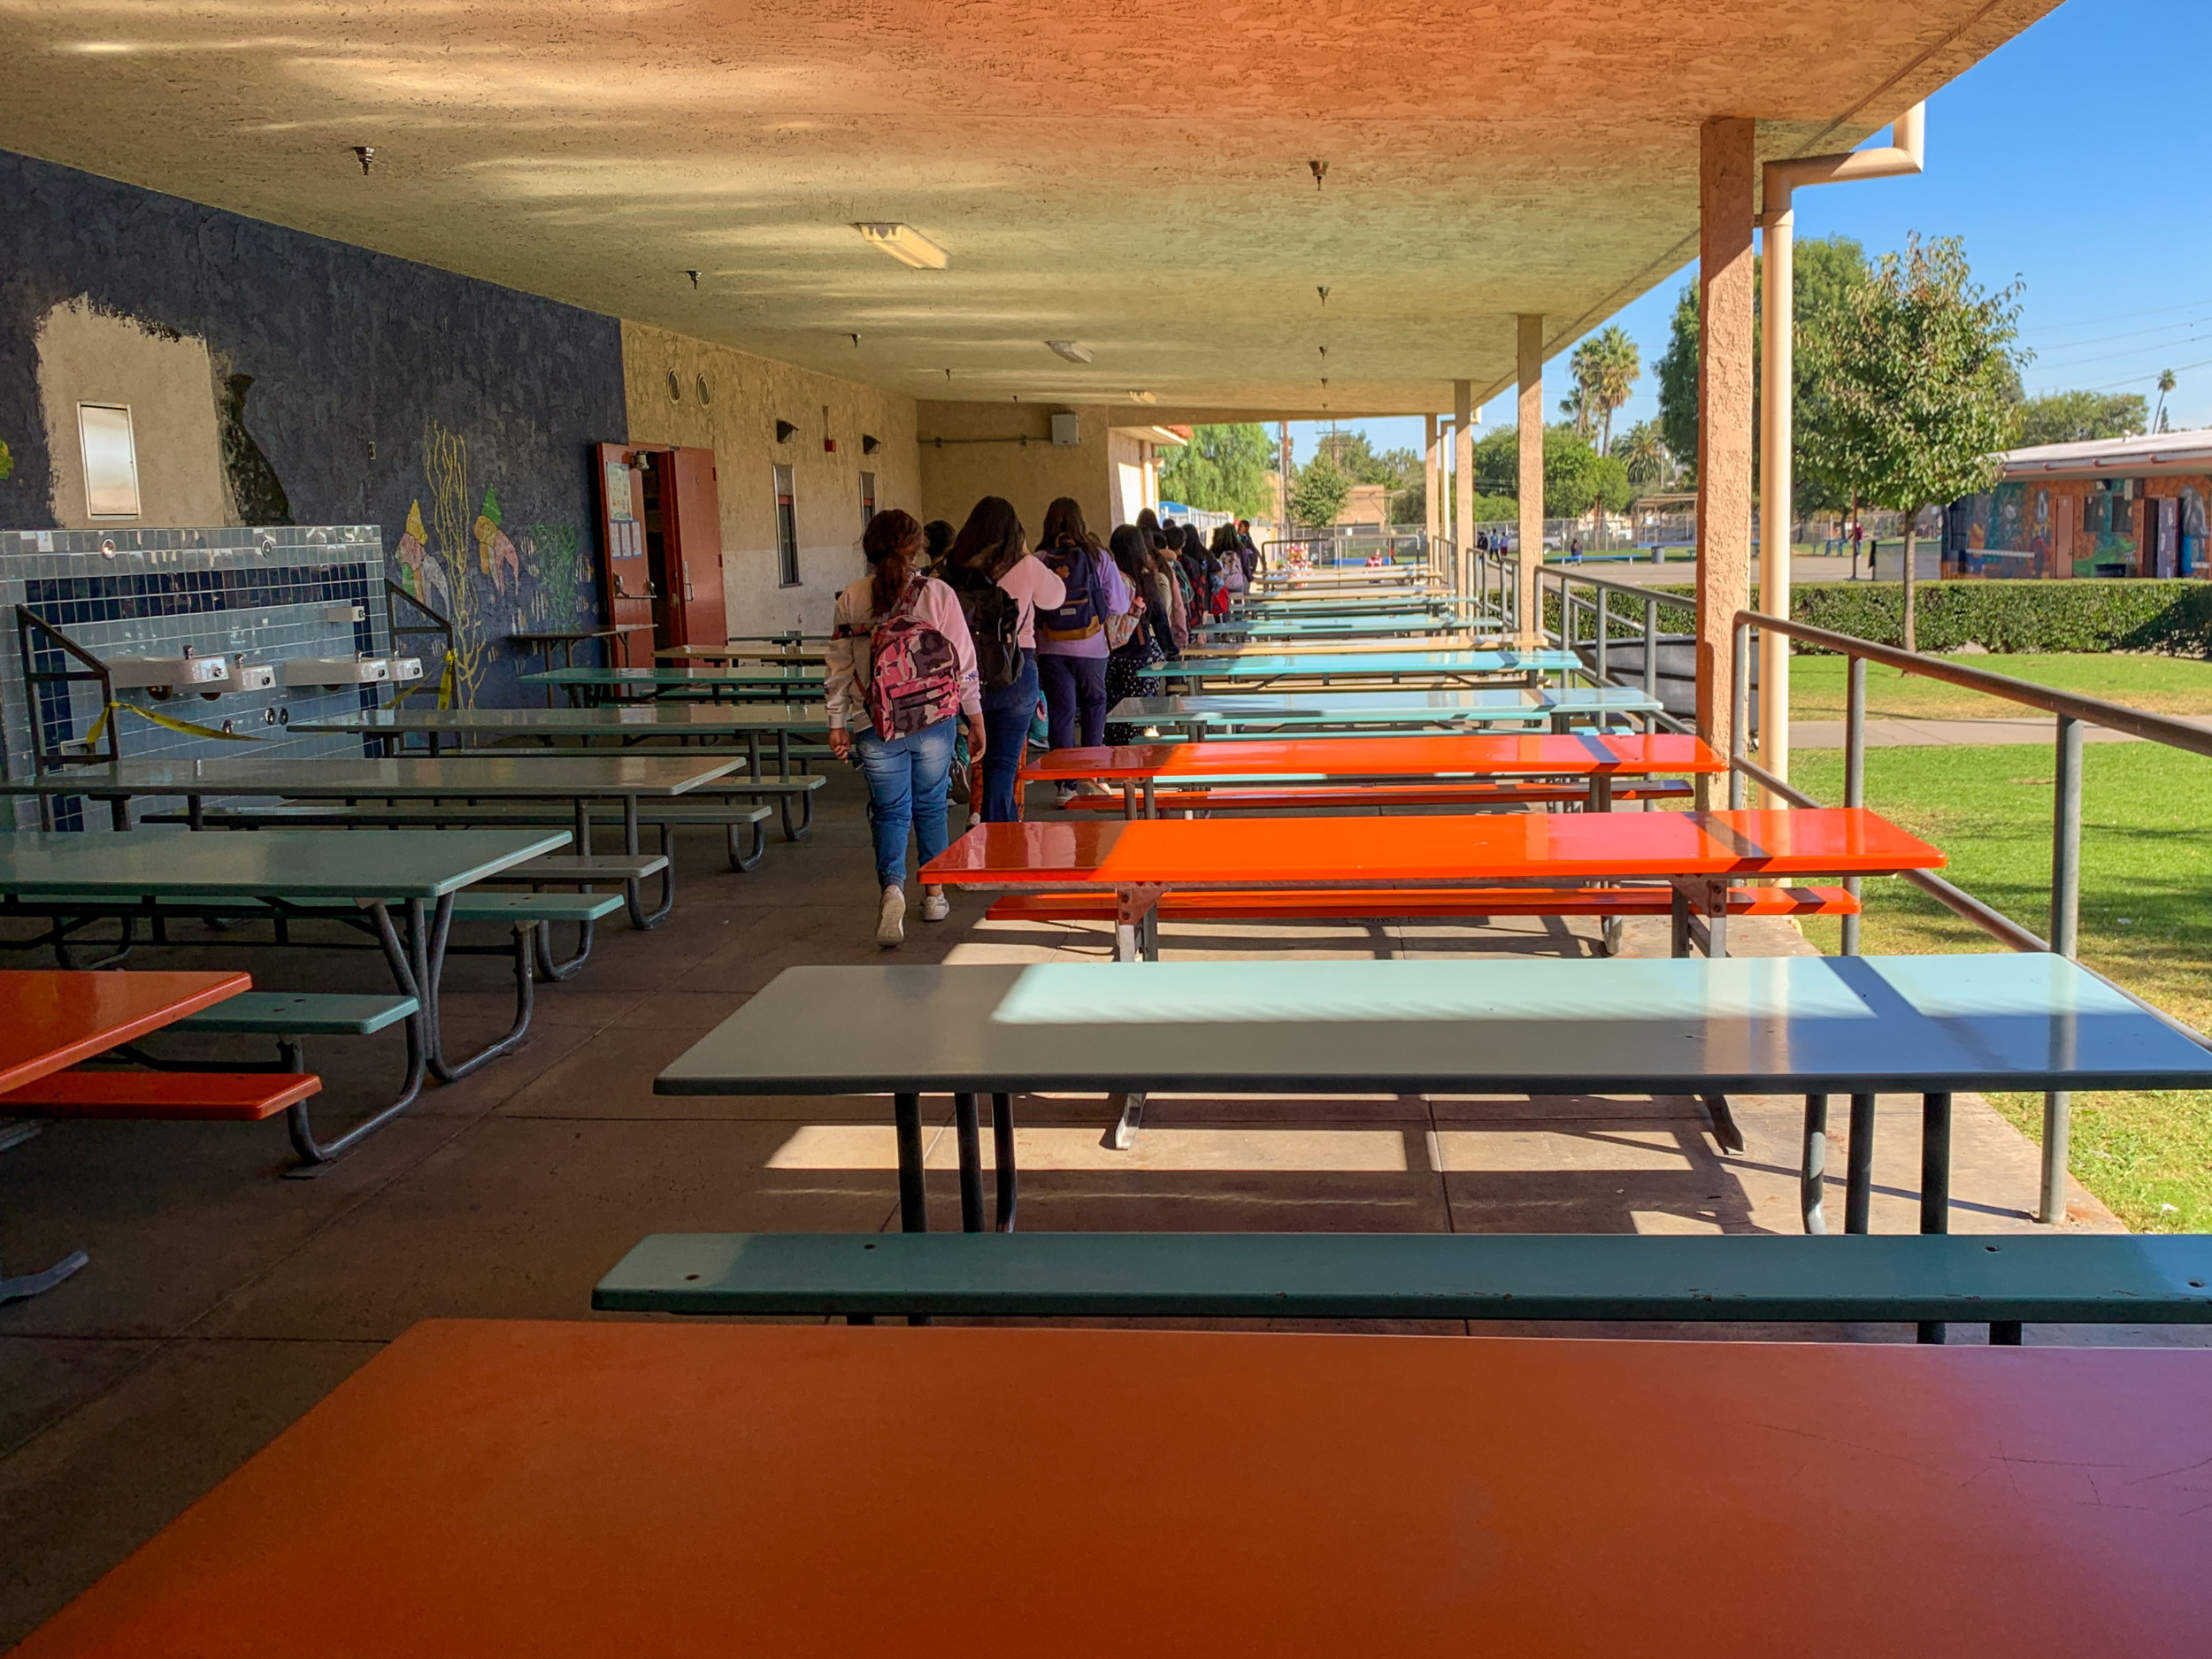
899 654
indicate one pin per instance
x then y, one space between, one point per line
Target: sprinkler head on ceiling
365 154
1320 172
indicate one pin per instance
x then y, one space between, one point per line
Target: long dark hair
1225 538
893 544
1194 539
1149 521
937 535
1128 548
1064 522
992 542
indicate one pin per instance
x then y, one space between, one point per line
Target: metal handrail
2074 712
1568 635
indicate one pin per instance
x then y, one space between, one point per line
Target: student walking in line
1142 637
900 659
1175 585
936 543
1072 645
1228 568
990 566
1198 568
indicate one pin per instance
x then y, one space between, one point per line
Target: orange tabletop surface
1291 852
554 1489
50 1021
1565 755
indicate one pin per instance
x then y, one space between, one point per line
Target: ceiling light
1144 397
905 244
1069 350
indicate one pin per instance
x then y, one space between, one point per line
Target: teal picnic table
282 875
1202 716
331 786
628 724
1460 667
766 683
1379 625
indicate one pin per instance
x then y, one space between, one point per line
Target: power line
2133 334
2122 317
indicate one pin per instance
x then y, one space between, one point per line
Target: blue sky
2075 158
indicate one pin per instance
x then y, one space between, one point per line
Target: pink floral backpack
914 671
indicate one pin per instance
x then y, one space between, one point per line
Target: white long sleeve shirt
851 659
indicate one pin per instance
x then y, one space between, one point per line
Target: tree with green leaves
1921 376
2165 385
1317 494
1643 451
2081 417
1222 469
1604 368
1571 469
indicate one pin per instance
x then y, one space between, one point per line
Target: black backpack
994 625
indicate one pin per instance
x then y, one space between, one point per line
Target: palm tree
1644 453
1618 368
2165 385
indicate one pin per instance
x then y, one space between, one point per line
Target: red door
691 529
622 568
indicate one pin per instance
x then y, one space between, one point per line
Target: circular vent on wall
699 385
675 388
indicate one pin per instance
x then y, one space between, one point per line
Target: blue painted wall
480 402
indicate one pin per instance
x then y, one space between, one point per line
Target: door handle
620 592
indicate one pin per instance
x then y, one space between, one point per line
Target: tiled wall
260 595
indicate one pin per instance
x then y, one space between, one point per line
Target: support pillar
1463 463
1431 481
1726 212
1777 484
1530 414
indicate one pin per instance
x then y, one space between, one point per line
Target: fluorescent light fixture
1144 397
1069 350
905 244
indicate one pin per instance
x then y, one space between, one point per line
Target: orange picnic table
560 1489
1698 853
48 1021
1446 759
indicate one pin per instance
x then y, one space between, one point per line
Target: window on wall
111 460
867 498
787 530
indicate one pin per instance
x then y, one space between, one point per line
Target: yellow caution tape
445 687
187 727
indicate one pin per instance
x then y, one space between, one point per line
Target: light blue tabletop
1365 664
640 719
1380 708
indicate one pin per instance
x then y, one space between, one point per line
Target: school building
2110 507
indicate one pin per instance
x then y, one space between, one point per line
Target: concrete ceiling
1133 177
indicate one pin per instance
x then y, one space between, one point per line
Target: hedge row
2084 614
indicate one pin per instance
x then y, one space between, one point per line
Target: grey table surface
291 863
322 777
1834 1024
1400 707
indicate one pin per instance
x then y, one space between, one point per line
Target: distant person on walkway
1249 549
1148 640
900 659
1072 644
1195 565
1225 561
936 543
992 550
1172 586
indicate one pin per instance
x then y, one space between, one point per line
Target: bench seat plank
1318 904
286 1013
183 1096
2145 1279
1296 798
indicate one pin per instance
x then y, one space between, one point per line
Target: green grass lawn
2166 685
2145 919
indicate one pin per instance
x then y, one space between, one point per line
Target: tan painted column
1726 210
1463 463
1530 414
1430 479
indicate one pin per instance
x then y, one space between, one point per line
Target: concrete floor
224 1300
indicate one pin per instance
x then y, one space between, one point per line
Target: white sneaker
1063 793
974 819
891 920
935 907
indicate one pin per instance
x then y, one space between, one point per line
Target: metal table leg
24 1286
1813 1173
1007 1187
1858 1180
1935 1182
966 1131
906 1114
297 1122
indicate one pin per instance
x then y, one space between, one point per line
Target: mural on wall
340 387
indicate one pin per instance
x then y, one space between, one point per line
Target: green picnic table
1196 717
1379 624
725 684
285 875
1464 667
582 780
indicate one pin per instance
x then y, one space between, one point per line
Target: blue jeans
1006 716
906 790
1075 699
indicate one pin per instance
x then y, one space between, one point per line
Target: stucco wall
957 476
745 397
343 386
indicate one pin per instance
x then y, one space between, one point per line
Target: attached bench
1612 903
1308 796
181 1096
1924 1279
